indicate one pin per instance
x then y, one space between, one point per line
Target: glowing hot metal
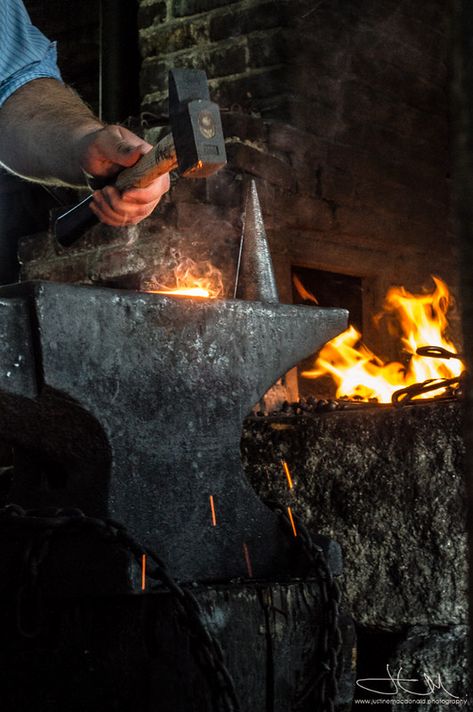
191 279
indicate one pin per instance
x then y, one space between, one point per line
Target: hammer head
195 124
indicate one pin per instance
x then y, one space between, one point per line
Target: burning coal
190 279
358 373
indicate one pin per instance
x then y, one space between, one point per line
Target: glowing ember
143 572
249 567
287 472
359 373
291 518
192 279
212 511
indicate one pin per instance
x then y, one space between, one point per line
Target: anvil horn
255 278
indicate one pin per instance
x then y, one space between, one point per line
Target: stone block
430 12
309 114
206 220
442 655
295 142
242 157
225 188
388 485
181 8
155 106
114 264
216 60
244 126
319 57
402 82
244 19
336 185
173 37
152 13
294 211
153 76
248 91
266 48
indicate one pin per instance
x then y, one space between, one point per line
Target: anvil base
132 653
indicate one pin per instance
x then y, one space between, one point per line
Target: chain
405 396
323 688
46 523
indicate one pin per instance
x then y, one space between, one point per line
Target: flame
302 291
359 373
192 279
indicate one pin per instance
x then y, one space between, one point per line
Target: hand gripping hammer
195 147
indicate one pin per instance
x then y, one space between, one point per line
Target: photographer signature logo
394 684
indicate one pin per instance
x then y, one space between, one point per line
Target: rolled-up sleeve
25 53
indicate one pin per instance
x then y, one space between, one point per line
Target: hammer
195 147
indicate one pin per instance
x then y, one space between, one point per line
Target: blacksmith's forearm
42 127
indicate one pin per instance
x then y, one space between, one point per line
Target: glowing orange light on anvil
359 373
191 279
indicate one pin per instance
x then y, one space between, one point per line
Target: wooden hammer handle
161 159
70 224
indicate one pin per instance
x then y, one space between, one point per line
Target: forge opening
331 289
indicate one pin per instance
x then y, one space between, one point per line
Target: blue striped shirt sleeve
25 53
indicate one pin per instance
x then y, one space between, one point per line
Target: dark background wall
76 28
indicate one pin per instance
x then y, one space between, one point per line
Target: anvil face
140 398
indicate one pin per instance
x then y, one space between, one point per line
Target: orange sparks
293 524
143 572
212 509
249 567
288 474
190 279
359 373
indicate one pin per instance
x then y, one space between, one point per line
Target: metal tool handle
71 224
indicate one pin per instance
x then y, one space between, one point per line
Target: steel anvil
133 405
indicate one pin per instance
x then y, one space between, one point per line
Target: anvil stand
130 405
